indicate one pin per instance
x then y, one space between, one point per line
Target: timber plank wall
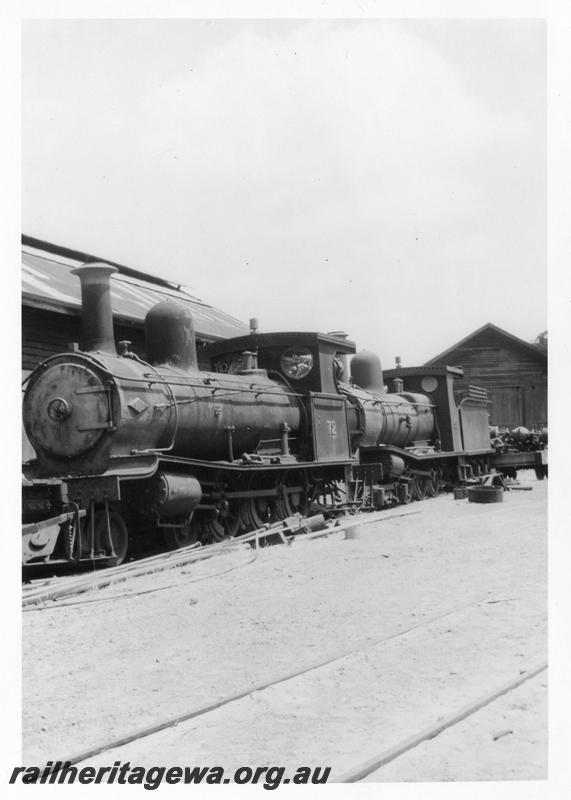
515 377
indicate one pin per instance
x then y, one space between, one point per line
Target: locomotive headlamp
296 362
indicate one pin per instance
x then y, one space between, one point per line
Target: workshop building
513 371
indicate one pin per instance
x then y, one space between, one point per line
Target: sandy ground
432 611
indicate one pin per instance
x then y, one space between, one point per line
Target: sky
382 177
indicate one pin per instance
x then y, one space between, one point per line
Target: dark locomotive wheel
225 523
326 497
432 487
419 488
434 483
259 511
175 538
119 536
292 501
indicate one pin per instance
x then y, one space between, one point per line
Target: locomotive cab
311 365
308 362
462 425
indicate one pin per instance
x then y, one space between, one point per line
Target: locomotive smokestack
96 316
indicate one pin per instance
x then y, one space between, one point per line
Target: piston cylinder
170 495
393 466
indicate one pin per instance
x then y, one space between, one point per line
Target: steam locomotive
126 446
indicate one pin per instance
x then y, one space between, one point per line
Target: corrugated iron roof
47 283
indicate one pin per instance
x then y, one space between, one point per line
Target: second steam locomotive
126 447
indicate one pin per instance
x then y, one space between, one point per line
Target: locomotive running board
254 466
371 454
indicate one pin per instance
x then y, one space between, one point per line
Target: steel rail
376 762
200 711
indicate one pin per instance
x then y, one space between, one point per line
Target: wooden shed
513 371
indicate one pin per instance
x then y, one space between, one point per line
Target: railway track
441 654
151 738
385 756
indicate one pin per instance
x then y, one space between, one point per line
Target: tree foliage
541 341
